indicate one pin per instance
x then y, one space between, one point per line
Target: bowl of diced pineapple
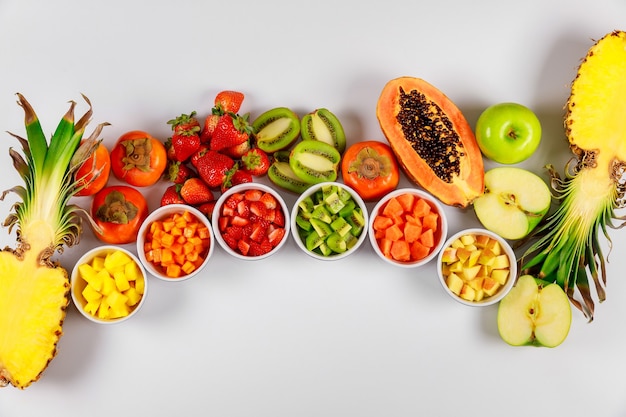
108 284
477 267
175 242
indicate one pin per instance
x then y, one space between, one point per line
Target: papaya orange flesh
432 140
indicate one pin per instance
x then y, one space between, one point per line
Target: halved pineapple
34 290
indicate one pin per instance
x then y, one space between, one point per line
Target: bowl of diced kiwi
329 221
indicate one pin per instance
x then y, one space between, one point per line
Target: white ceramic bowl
380 243
448 258
281 221
78 285
296 229
163 213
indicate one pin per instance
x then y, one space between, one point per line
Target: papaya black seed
431 134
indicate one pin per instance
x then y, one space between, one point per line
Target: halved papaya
432 140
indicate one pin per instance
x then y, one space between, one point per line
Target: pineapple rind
33 302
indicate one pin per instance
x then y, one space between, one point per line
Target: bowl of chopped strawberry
251 221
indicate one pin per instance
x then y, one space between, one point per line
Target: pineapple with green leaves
568 250
34 288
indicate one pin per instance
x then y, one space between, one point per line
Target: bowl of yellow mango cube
108 284
477 267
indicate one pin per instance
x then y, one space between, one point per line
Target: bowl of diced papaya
175 242
407 227
108 284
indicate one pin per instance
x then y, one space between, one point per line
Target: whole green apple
508 133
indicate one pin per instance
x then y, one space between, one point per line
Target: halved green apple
534 313
514 202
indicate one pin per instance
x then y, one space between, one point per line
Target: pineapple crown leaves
48 173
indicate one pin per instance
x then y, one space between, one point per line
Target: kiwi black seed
314 161
324 126
281 174
276 129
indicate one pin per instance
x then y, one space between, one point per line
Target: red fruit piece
171 195
213 167
209 127
276 235
178 172
195 192
235 177
229 101
237 151
184 144
185 122
256 162
231 130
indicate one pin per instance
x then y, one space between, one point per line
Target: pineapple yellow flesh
596 107
33 301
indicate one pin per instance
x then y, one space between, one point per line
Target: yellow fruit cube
454 283
477 283
119 311
140 285
103 310
468 239
500 275
116 300
116 259
98 263
457 244
467 293
133 296
495 246
469 273
120 281
90 275
132 272
108 283
91 294
92 307
490 286
501 262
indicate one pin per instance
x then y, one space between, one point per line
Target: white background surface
290 336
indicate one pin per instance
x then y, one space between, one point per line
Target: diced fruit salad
405 228
329 221
178 244
251 222
475 266
114 285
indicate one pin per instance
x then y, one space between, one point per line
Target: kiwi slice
314 161
324 126
276 129
281 174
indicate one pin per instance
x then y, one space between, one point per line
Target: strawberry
171 195
229 101
258 249
184 144
231 130
209 127
234 177
207 208
213 167
177 172
195 192
185 122
256 162
237 151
